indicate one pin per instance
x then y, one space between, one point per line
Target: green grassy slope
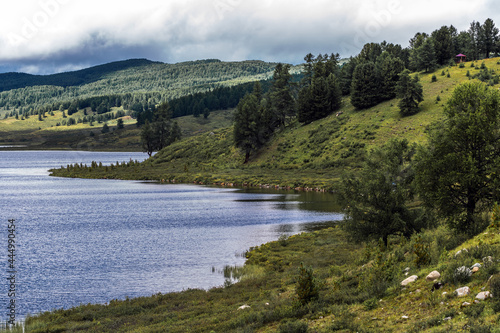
51 133
312 155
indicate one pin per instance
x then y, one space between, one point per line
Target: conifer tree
365 86
410 92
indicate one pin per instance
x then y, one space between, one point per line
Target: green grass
47 134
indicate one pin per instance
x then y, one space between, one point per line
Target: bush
474 311
462 275
495 285
457 272
421 251
296 326
370 304
434 78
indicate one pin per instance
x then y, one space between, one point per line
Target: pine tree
488 37
281 97
389 71
246 125
424 57
365 86
410 92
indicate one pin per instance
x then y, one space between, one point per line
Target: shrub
370 304
462 65
434 78
462 275
457 271
296 326
474 310
495 285
421 250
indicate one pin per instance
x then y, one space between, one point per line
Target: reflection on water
89 241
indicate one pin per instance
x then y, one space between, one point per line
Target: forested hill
143 81
9 81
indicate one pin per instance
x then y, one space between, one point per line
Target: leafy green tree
376 197
148 138
175 133
161 132
418 40
162 126
410 93
458 172
346 74
365 86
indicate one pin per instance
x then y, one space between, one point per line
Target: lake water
90 241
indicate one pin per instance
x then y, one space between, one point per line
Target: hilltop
14 80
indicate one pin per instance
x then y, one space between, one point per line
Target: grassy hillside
312 155
53 133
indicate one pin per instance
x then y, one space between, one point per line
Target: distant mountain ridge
15 80
137 80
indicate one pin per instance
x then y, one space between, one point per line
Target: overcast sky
47 36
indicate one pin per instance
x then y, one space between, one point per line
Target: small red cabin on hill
461 58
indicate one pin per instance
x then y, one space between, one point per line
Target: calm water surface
90 241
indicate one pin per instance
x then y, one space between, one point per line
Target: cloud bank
45 36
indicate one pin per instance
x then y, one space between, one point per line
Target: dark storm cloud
42 36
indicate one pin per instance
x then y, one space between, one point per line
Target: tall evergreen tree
281 96
389 69
320 94
247 124
410 92
488 37
365 86
424 57
475 36
148 139
443 45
